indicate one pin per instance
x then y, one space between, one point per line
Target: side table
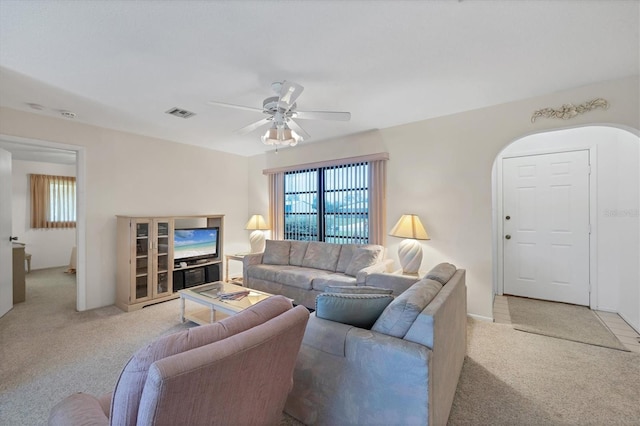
227 258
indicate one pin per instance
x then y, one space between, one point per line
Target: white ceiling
122 64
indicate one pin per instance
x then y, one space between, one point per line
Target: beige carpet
48 351
561 320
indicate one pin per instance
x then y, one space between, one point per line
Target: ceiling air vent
182 113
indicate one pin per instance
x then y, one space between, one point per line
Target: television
195 243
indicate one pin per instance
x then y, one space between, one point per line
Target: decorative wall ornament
568 111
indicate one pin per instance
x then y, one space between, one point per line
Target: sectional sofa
300 270
369 358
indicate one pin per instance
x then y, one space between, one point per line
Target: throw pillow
321 255
362 258
442 273
346 254
358 310
276 252
357 289
398 317
298 250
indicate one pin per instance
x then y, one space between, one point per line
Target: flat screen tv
195 243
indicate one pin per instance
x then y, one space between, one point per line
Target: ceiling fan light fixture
281 135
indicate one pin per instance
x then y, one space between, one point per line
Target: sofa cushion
398 317
357 289
359 310
321 255
266 272
297 252
299 277
276 252
362 258
441 273
322 282
346 253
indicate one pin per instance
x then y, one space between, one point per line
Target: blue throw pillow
359 310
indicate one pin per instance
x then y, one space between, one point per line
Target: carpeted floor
48 351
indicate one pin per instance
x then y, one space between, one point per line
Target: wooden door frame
499 214
81 222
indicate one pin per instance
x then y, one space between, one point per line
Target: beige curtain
53 201
377 202
276 205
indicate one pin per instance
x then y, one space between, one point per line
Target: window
53 201
338 201
327 204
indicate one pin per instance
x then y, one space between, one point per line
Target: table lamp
257 239
410 250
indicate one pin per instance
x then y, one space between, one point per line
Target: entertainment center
157 256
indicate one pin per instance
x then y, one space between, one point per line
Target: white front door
6 248
546 226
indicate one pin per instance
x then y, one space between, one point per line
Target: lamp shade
409 226
256 222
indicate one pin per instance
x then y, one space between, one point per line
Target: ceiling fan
281 111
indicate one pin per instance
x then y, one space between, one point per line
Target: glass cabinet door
143 261
162 249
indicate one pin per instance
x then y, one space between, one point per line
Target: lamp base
257 241
410 256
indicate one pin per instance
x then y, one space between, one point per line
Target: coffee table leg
182 309
212 318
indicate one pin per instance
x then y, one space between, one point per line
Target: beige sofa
300 270
402 370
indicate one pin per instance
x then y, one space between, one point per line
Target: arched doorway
614 193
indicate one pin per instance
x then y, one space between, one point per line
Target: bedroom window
53 201
337 201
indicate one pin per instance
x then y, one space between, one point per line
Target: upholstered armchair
236 371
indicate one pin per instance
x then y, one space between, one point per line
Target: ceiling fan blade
253 126
323 115
299 130
222 104
289 92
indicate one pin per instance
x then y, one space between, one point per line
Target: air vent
182 113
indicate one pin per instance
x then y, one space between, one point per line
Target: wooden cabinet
145 258
18 273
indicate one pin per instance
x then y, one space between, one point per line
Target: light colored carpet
561 320
49 351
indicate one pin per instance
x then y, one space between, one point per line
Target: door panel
546 238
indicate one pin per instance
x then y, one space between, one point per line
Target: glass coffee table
215 306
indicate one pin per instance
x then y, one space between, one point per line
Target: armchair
236 371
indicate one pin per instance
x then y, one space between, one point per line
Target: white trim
337 162
81 223
480 317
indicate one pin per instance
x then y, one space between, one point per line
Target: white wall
128 174
617 224
441 169
48 247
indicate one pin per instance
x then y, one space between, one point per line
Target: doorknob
508 217
13 238
508 237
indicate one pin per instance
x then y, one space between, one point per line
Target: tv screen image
195 243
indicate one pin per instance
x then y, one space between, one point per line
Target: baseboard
480 317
